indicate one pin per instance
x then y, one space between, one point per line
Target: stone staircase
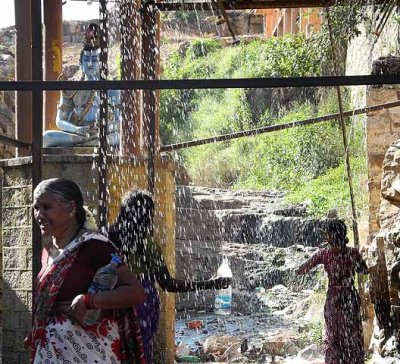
208 219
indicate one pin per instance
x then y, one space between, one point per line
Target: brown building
278 22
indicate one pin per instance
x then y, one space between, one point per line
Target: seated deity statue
78 111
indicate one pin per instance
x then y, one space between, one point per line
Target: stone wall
382 129
16 225
366 48
383 151
17 258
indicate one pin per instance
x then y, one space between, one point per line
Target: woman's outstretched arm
310 263
170 284
158 266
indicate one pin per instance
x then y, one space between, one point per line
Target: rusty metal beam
52 17
13 142
188 5
255 4
23 71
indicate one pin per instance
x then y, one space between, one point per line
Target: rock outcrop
264 238
384 258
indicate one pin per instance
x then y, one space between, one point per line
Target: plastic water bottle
105 279
223 299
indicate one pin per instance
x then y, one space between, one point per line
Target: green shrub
307 162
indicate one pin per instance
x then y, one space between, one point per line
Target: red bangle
88 301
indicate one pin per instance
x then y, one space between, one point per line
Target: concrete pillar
23 71
382 129
131 127
164 233
164 346
53 57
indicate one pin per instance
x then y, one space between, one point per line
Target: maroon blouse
92 255
340 266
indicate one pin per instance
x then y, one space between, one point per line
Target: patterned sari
343 339
56 339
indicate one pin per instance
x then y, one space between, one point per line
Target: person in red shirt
343 339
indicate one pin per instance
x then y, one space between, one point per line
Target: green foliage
205 58
316 333
201 48
181 16
307 162
285 56
345 22
293 157
329 191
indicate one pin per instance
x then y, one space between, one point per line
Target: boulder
219 344
281 344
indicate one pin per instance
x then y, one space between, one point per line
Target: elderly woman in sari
61 302
132 232
343 340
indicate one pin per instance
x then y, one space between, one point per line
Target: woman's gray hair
66 191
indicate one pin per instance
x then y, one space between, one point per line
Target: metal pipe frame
188 5
328 81
277 127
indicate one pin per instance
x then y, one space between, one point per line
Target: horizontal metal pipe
257 4
276 127
268 82
266 4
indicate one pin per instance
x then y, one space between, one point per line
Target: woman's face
53 215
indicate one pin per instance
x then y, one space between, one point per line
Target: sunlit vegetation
306 162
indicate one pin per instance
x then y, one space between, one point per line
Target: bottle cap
115 259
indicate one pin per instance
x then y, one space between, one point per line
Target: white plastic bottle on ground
105 279
223 298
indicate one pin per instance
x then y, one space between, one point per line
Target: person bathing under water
343 339
132 233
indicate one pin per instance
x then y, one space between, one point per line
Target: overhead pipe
276 127
268 82
257 4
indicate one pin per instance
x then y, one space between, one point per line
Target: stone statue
78 111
